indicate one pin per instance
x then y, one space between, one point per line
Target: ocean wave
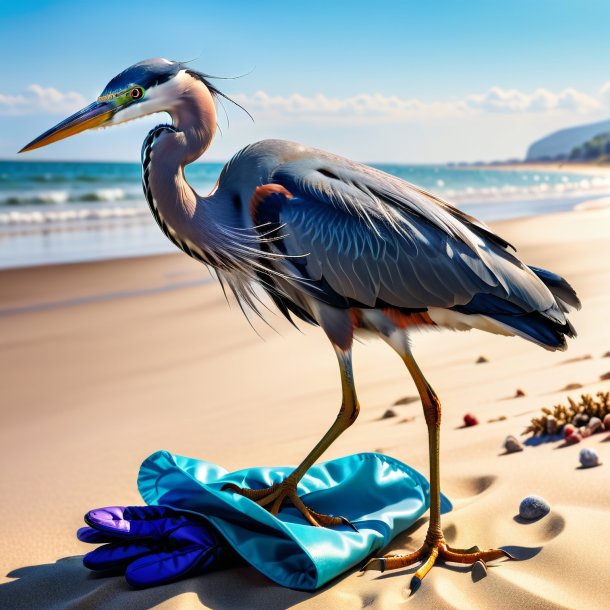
539 190
66 196
63 215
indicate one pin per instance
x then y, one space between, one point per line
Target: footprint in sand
468 488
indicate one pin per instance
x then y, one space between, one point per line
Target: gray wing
374 239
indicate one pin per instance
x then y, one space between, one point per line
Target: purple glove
152 545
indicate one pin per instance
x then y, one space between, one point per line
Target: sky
397 81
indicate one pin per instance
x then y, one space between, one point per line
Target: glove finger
161 568
88 534
135 521
115 555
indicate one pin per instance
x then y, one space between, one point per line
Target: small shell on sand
481 360
389 413
470 420
533 507
588 457
519 393
512 444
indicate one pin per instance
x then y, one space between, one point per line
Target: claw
414 585
274 497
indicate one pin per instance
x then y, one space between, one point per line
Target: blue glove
152 545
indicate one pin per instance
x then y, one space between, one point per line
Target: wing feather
371 237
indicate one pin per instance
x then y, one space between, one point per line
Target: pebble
389 413
595 425
581 419
407 400
512 444
572 386
533 507
519 393
470 420
607 422
588 457
481 360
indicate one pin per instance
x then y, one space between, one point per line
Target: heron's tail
564 294
534 326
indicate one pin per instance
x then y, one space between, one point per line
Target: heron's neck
190 221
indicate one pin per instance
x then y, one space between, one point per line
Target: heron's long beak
89 117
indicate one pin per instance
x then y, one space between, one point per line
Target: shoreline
551 166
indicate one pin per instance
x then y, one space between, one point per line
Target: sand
104 363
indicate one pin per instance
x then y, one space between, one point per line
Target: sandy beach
104 363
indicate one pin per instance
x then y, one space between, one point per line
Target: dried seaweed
553 420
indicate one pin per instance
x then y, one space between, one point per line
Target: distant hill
560 144
596 149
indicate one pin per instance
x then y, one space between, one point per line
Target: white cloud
371 108
380 108
39 99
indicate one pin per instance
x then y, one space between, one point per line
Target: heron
333 243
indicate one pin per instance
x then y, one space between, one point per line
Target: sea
64 212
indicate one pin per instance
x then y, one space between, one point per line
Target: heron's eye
136 93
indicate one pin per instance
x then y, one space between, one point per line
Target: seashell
481 360
607 422
595 425
512 444
470 420
588 457
389 413
533 507
519 393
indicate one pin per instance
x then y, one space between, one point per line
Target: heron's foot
431 551
274 497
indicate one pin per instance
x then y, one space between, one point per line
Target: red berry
573 438
470 420
568 430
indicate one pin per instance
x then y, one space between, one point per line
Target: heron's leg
273 497
434 546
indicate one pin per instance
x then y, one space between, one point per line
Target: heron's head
148 87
